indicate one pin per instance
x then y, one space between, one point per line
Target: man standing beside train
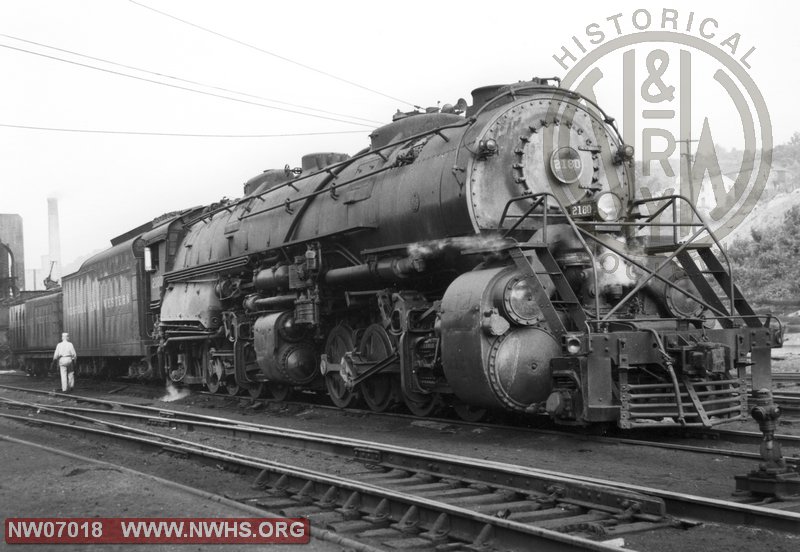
65 355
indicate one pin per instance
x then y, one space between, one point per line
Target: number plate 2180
581 210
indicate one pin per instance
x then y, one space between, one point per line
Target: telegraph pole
689 158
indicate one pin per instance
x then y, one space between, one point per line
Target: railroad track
789 402
588 506
424 509
786 394
786 377
710 441
672 439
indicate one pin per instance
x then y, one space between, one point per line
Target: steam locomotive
485 257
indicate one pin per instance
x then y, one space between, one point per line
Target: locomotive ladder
724 280
761 356
545 265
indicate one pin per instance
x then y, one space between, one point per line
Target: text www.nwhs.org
157 530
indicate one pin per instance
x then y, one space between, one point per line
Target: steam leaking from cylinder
460 243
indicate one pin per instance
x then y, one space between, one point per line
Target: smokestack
55 238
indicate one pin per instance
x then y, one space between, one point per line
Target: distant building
12 258
12 275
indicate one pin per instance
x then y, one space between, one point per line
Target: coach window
150 259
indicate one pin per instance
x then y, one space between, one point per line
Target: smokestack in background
54 234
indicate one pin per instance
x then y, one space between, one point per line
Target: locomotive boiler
492 259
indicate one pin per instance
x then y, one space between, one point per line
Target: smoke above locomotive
495 257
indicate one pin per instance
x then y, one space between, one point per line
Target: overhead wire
204 92
213 87
143 133
273 54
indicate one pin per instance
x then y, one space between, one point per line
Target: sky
354 63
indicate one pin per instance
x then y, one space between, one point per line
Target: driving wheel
378 390
339 342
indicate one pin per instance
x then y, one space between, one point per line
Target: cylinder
508 372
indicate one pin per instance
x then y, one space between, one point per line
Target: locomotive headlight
520 302
572 344
609 207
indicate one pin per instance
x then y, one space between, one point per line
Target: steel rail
400 458
678 504
740 437
252 430
316 532
787 377
468 525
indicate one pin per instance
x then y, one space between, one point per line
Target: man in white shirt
65 355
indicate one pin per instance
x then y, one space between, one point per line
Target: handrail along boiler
496 259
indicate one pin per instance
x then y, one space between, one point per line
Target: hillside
781 193
766 216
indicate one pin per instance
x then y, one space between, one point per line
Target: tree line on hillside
766 266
